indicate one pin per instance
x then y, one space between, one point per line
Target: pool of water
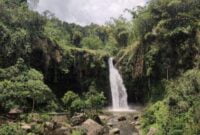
132 108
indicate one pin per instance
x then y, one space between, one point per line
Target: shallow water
132 108
126 126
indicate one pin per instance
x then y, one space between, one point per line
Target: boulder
93 127
54 128
114 131
62 131
77 120
122 118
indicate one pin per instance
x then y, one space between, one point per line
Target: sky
85 12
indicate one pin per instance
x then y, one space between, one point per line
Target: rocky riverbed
109 123
105 123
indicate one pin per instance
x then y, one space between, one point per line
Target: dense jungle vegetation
47 65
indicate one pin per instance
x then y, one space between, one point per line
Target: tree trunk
33 105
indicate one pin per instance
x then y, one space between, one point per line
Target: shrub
68 98
77 105
90 100
94 99
11 129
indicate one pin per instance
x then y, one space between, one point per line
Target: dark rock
97 119
122 118
77 120
136 118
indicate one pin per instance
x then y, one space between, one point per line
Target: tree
76 38
92 42
24 88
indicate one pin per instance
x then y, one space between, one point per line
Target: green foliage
92 42
79 132
73 102
156 116
94 99
177 113
11 129
78 105
69 97
90 100
24 88
56 33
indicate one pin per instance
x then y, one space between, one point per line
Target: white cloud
85 12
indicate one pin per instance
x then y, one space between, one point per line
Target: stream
127 122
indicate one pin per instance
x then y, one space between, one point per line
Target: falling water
118 90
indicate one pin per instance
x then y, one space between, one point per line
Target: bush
68 98
11 129
78 105
72 102
90 100
94 99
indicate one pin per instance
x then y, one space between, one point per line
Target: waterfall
118 90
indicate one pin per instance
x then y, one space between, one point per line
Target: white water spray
118 90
